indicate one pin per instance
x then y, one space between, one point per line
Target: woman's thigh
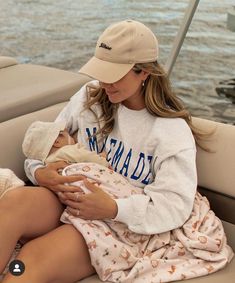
58 256
30 211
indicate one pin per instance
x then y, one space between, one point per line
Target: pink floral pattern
197 248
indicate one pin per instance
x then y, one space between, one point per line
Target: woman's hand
94 205
50 178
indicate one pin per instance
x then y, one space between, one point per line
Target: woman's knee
34 211
13 199
27 197
33 261
55 257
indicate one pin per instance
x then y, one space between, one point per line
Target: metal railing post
179 39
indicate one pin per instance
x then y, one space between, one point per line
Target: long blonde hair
160 101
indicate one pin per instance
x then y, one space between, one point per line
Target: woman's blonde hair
160 101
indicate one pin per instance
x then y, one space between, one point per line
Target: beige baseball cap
40 137
119 48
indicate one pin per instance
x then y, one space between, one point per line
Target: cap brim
103 71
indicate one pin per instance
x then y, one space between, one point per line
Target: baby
51 142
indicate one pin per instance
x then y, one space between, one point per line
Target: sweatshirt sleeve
168 201
30 166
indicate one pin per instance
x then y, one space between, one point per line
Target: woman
132 114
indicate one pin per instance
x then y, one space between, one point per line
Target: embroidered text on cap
105 46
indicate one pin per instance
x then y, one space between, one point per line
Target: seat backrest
216 169
12 134
7 61
26 88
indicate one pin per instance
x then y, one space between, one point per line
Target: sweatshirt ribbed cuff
32 177
124 210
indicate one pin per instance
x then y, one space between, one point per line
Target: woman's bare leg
26 213
60 256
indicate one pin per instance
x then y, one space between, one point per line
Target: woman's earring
143 83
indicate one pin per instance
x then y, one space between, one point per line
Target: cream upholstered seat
25 88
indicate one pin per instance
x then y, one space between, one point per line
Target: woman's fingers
94 205
74 196
74 212
73 204
64 188
64 197
49 177
92 186
70 179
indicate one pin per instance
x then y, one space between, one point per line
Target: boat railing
179 39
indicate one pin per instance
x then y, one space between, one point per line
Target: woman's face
127 90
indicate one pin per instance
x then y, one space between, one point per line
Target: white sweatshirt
157 154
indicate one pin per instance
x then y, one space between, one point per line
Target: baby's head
43 138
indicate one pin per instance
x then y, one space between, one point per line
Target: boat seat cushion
12 134
216 169
7 61
26 88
